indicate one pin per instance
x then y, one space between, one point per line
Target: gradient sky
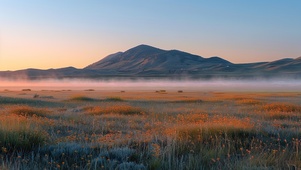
59 33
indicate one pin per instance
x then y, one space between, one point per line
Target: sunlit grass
249 101
114 109
17 133
192 118
172 131
281 107
29 111
217 126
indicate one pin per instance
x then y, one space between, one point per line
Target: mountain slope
145 61
286 65
68 72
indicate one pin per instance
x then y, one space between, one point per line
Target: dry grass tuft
281 107
114 109
226 134
192 118
29 111
205 129
247 101
18 133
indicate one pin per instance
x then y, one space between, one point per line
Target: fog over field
188 85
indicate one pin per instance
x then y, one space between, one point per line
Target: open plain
149 129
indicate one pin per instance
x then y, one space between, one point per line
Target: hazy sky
59 33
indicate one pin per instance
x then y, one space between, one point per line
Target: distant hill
145 61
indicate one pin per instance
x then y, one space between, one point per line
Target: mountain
145 61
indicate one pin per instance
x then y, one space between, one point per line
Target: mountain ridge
144 61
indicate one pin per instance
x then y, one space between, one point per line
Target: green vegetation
80 98
29 102
114 99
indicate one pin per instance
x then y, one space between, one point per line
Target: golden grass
18 133
281 107
29 111
213 139
249 101
204 129
243 131
279 111
194 118
114 109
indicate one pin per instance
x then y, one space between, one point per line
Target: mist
132 85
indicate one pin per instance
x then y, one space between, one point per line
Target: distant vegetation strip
29 102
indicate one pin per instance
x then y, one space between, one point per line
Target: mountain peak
147 61
144 58
217 59
144 48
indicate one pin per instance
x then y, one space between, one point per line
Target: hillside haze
145 61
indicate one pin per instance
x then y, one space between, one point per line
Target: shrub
90 90
81 98
114 99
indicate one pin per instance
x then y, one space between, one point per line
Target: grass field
162 129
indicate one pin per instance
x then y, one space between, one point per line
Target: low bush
81 98
114 99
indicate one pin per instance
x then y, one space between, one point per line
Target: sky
54 33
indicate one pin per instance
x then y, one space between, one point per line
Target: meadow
149 129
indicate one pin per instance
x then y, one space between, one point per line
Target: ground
149 129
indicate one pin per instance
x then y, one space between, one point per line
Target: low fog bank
187 85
